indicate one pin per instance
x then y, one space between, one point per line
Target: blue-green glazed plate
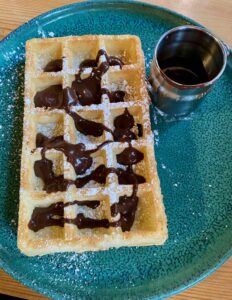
194 160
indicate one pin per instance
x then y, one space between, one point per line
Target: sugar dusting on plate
11 101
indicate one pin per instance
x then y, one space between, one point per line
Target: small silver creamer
187 61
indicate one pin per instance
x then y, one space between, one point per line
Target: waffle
83 214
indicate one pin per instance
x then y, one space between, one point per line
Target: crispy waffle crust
149 226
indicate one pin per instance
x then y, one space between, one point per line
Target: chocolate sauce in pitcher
185 71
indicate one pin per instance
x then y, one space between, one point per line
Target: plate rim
85 4
181 288
94 2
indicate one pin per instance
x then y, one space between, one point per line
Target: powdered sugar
136 101
51 34
50 129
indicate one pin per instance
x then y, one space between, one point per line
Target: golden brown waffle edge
150 224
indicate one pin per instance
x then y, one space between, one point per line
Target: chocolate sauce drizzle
49 97
126 207
100 174
53 215
129 156
43 169
110 61
123 125
56 97
81 161
76 154
55 65
59 98
88 127
114 97
86 91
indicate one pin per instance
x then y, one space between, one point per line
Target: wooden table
214 14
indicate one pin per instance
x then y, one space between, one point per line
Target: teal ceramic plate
194 160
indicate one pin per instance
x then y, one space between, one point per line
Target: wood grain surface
214 14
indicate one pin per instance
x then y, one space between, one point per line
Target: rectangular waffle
73 212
